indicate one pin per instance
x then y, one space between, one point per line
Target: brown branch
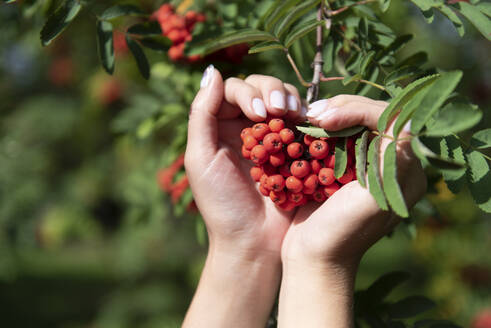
297 72
313 91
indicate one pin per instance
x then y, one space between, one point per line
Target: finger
202 126
293 103
249 99
344 111
273 93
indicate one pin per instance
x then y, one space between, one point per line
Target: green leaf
121 10
140 58
278 10
436 95
341 157
381 288
157 43
59 20
364 88
294 14
106 46
392 190
374 178
147 29
402 98
447 11
417 59
366 61
331 49
300 30
408 110
410 307
241 36
265 46
350 79
395 45
384 5
485 8
453 118
476 17
481 139
479 179
427 155
321 133
401 73
451 148
426 8
361 148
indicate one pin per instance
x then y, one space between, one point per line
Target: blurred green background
87 237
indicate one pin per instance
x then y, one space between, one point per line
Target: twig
313 91
337 78
297 72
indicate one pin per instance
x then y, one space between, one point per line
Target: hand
241 277
325 243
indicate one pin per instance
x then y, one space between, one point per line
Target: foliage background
87 238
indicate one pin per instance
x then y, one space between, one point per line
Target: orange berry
300 169
269 169
276 182
272 142
245 132
326 176
256 173
308 191
259 154
250 142
246 153
259 130
311 181
277 159
288 205
287 136
319 195
276 124
278 197
294 150
331 189
263 181
294 184
316 165
348 176
263 190
295 197
176 52
308 139
285 170
330 161
177 36
319 149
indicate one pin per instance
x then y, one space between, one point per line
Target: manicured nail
277 99
327 113
317 107
292 103
407 127
207 76
258 107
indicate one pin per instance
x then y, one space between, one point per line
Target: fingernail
258 107
277 99
407 127
317 107
207 76
327 113
292 103
303 111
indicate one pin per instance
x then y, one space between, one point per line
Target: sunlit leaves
59 20
374 177
479 179
361 148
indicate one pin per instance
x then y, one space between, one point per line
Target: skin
313 252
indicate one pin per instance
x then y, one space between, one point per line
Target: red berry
316 165
246 153
294 150
318 149
287 136
250 142
308 191
319 195
311 181
272 142
294 184
300 168
177 36
331 189
259 130
276 124
288 205
277 159
276 182
263 181
295 197
256 173
348 176
177 22
278 197
263 190
259 154
245 132
285 170
308 139
330 160
176 52
269 169
326 176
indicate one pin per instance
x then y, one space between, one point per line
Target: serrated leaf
479 179
381 288
140 58
401 73
408 110
410 307
278 10
294 14
476 17
453 118
402 98
121 10
157 43
300 30
146 29
457 23
59 20
374 178
361 148
265 46
321 133
436 95
392 190
481 139
241 36
341 157
427 155
451 148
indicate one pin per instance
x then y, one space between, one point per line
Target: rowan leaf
452 16
241 36
401 73
300 30
476 17
374 178
140 58
121 10
392 190
410 307
146 29
481 139
106 45
453 118
341 157
276 11
361 148
381 288
428 156
451 149
293 15
321 133
59 20
265 46
479 179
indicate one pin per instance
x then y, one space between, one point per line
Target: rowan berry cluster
293 168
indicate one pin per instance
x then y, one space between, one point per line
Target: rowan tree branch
313 91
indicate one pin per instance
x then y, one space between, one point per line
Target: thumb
202 126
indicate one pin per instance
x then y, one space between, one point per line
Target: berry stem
295 68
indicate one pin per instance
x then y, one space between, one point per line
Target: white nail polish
277 99
327 113
407 127
292 103
258 107
317 107
207 76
